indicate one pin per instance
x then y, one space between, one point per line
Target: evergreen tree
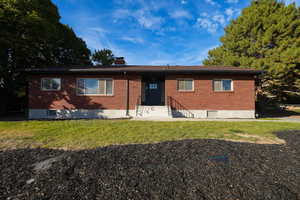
266 36
103 57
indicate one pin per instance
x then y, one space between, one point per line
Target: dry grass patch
258 139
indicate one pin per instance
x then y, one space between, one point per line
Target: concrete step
152 111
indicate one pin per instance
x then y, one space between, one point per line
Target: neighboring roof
145 69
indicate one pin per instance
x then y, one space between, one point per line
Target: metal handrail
174 104
138 103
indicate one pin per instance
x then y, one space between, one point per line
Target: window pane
95 86
51 83
46 84
180 84
185 85
101 86
55 84
91 86
80 86
217 85
226 85
52 113
188 84
153 86
109 87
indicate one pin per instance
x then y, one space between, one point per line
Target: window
52 113
93 86
223 85
50 84
153 86
185 84
212 114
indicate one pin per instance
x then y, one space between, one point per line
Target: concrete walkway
283 119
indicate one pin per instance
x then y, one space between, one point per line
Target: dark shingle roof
145 69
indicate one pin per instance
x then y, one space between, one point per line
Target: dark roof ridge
128 66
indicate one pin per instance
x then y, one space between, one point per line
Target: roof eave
120 71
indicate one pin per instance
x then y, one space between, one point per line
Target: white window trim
183 79
112 94
221 79
43 89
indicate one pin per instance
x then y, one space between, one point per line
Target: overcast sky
153 32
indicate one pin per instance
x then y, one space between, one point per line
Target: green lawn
82 134
296 110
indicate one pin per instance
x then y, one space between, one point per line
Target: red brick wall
205 98
66 98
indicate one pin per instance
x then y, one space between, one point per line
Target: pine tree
103 57
266 36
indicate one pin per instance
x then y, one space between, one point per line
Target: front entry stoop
152 111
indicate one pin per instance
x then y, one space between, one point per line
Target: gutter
141 71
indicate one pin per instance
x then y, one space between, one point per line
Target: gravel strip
188 169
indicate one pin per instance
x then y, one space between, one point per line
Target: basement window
94 86
212 114
50 84
51 113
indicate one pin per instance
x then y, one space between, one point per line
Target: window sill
94 95
43 90
224 91
186 91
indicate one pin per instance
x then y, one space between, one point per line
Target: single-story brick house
141 91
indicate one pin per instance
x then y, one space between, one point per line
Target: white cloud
219 19
207 24
96 38
232 12
143 16
133 39
229 12
188 57
147 20
211 23
172 29
121 2
121 14
232 1
98 29
183 1
180 14
204 14
196 57
211 2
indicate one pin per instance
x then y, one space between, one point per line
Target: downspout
27 97
127 95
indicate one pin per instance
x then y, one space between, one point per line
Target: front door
153 92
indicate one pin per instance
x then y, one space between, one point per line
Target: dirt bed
189 169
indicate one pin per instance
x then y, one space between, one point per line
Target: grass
268 118
85 134
297 110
